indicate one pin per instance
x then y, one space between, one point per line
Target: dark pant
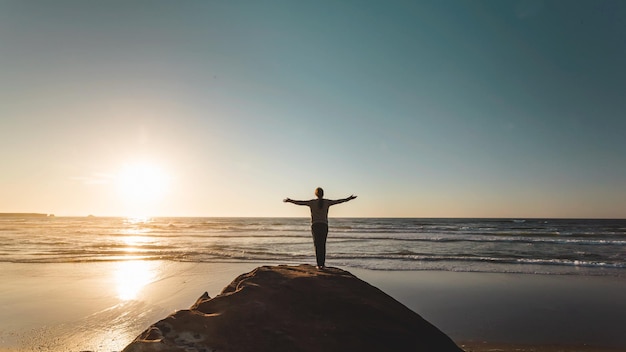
320 232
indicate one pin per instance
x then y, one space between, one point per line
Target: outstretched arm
296 202
338 201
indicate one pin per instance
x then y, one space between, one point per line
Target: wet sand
98 306
487 312
104 306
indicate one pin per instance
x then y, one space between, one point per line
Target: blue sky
429 108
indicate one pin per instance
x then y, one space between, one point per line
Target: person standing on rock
319 221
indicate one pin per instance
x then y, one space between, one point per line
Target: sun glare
141 185
132 276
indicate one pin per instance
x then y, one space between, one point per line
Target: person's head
319 192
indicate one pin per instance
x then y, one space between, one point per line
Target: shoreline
103 306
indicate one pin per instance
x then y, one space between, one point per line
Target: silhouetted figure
319 221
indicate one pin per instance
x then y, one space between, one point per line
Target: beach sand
104 306
98 306
514 312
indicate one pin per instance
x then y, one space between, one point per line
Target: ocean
530 246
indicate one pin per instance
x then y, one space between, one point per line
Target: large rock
287 308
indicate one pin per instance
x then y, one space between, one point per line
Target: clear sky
223 108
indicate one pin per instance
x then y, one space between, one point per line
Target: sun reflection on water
137 234
132 276
136 241
139 219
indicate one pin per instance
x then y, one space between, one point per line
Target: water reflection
137 225
135 241
132 276
134 220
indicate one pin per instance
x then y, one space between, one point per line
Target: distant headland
25 215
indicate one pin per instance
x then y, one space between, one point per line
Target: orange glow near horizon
142 186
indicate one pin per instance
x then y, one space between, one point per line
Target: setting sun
142 184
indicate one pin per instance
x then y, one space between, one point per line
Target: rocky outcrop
295 308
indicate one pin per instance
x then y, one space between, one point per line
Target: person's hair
319 192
